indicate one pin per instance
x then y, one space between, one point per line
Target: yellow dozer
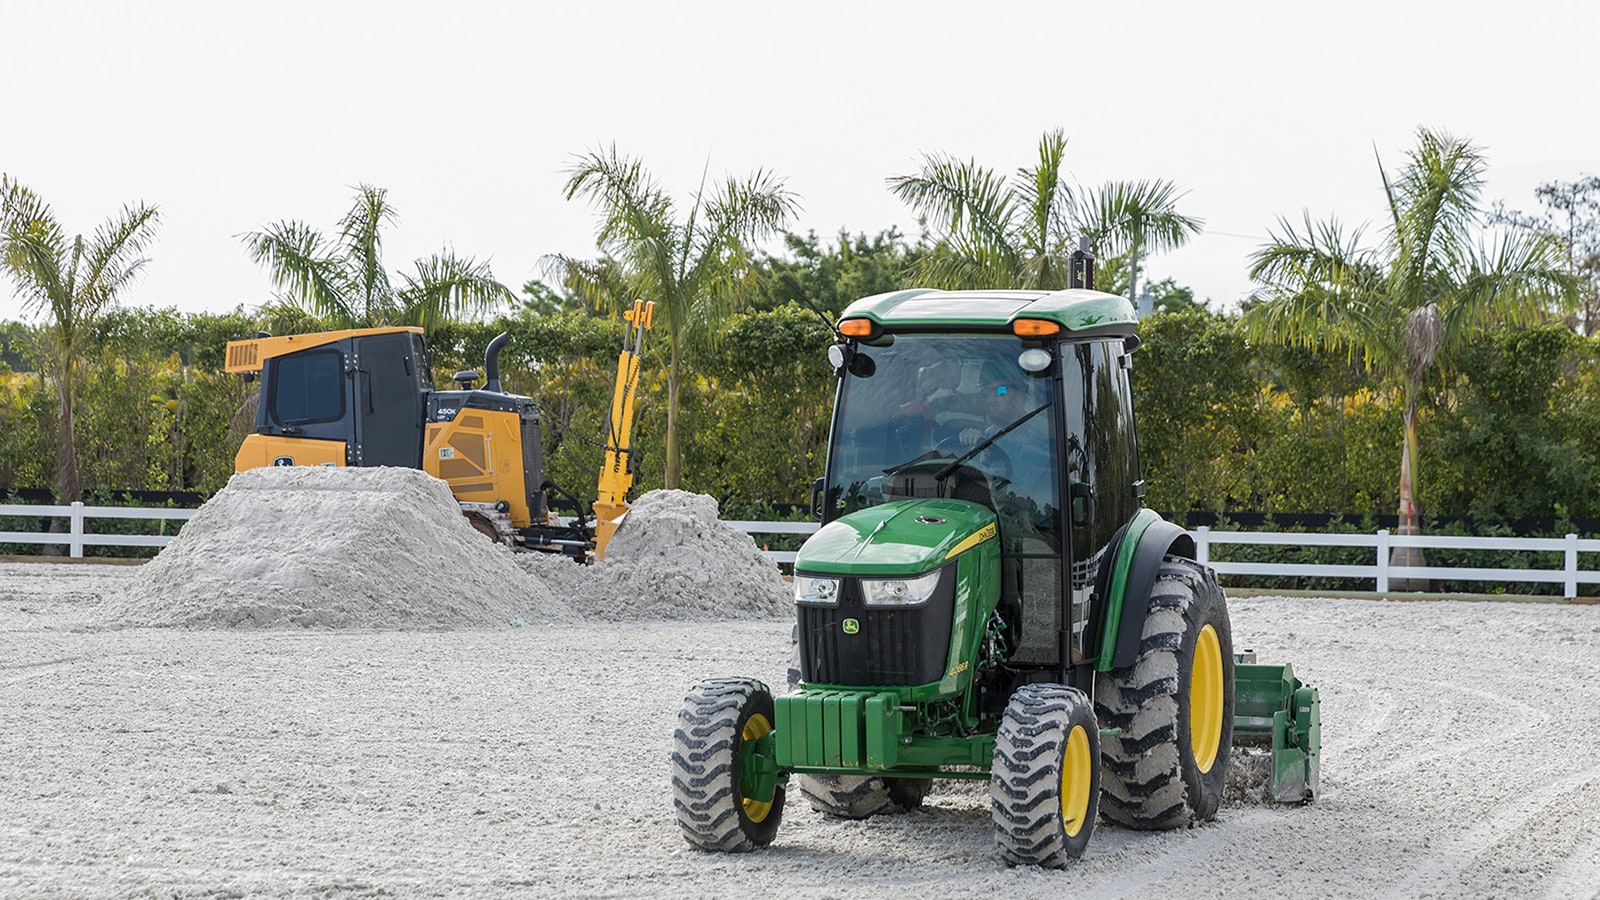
365 397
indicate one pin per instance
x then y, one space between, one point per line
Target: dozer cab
988 598
365 397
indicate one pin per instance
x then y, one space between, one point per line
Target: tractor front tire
862 796
726 789
1045 784
1166 765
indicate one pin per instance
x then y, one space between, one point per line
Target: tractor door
1102 466
388 402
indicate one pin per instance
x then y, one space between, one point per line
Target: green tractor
988 598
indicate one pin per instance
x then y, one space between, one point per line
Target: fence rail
79 536
1381 571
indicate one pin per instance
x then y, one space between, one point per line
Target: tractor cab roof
1076 311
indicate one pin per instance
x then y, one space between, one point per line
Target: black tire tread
1142 781
704 749
1025 782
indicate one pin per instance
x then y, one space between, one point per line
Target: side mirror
846 358
839 356
816 499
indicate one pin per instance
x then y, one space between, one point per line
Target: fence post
77 529
1383 561
1202 544
1572 567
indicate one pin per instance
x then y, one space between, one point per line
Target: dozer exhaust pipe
491 362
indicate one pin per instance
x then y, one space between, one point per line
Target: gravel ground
1459 759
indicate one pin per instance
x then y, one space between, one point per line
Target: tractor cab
1036 428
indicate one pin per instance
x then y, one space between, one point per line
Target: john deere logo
851 626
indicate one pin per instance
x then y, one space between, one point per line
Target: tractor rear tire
717 757
1045 784
863 796
1173 708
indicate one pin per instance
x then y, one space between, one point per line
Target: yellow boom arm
616 475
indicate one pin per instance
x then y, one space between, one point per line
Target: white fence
78 535
1380 572
1570 575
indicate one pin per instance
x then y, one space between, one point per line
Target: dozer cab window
308 387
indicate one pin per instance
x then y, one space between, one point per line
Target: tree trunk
68 487
1410 515
673 468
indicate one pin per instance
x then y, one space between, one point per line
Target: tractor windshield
925 401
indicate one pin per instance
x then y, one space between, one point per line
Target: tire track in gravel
1460 849
1409 760
16 673
1580 876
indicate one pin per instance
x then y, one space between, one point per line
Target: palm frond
966 201
361 243
1139 216
301 264
1437 201
113 256
33 246
1516 280
753 209
636 219
601 284
1041 190
1320 291
447 287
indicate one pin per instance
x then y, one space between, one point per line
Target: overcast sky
229 116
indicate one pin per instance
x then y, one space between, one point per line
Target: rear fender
1146 541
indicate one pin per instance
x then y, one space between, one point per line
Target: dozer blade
1272 707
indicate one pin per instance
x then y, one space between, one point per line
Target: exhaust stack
491 362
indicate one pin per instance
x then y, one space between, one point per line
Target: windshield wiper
984 444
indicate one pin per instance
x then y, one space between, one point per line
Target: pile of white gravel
325 547
672 559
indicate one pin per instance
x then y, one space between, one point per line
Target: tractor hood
905 537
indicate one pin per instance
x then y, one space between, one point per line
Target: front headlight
810 591
900 591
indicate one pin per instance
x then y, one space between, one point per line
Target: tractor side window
308 387
1101 464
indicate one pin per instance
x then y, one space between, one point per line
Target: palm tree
1414 300
73 281
1022 233
342 281
694 269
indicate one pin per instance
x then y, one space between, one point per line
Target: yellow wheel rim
1205 699
1076 773
754 728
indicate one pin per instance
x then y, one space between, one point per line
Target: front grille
893 646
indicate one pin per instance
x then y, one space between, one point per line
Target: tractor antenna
794 289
